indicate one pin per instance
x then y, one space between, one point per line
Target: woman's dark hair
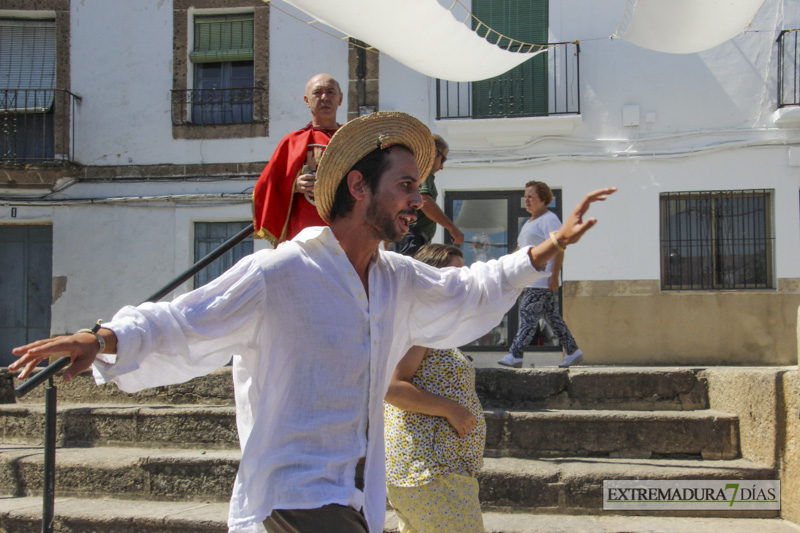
438 255
371 166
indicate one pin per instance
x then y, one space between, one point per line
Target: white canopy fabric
420 34
685 26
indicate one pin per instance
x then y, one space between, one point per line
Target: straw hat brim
361 136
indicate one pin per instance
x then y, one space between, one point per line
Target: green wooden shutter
223 38
522 91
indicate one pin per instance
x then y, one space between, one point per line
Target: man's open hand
576 225
81 348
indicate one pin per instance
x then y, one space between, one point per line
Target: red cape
278 213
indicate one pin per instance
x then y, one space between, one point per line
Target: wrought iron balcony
548 84
219 106
788 69
37 125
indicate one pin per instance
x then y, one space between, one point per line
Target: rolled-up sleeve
454 306
172 342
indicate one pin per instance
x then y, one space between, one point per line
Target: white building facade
143 157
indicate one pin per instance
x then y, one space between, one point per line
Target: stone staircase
164 460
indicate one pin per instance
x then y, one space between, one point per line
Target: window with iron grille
223 69
27 89
208 236
717 240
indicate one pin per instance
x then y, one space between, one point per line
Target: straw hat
361 136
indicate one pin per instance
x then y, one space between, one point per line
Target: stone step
126 473
23 515
548 485
704 434
215 388
574 485
168 426
531 388
637 388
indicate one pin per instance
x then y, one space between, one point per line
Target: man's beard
382 224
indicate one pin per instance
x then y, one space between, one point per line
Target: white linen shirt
312 357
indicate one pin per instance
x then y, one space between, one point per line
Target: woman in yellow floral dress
435 433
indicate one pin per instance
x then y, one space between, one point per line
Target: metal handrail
48 504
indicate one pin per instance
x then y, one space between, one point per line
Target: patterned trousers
536 304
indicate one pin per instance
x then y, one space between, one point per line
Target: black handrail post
49 485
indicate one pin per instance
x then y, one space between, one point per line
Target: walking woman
540 299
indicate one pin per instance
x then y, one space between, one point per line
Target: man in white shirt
315 329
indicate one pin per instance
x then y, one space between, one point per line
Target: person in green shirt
422 230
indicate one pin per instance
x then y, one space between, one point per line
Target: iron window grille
208 236
36 125
514 94
717 240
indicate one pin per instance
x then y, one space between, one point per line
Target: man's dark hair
371 167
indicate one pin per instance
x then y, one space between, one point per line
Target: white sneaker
573 359
510 360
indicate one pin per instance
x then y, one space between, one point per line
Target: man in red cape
283 198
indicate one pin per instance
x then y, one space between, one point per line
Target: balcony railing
548 84
788 71
219 106
37 125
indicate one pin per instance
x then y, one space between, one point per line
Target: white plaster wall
109 261
122 68
625 242
406 90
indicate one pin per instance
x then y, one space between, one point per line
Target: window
208 236
491 221
220 70
714 240
223 69
522 91
27 89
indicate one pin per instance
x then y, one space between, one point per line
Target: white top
312 357
535 232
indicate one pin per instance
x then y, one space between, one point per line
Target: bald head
323 97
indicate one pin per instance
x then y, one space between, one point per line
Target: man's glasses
444 157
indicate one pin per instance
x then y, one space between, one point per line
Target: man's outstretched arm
570 231
82 349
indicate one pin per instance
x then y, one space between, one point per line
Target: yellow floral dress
429 469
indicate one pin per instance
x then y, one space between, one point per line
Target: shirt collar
325 236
